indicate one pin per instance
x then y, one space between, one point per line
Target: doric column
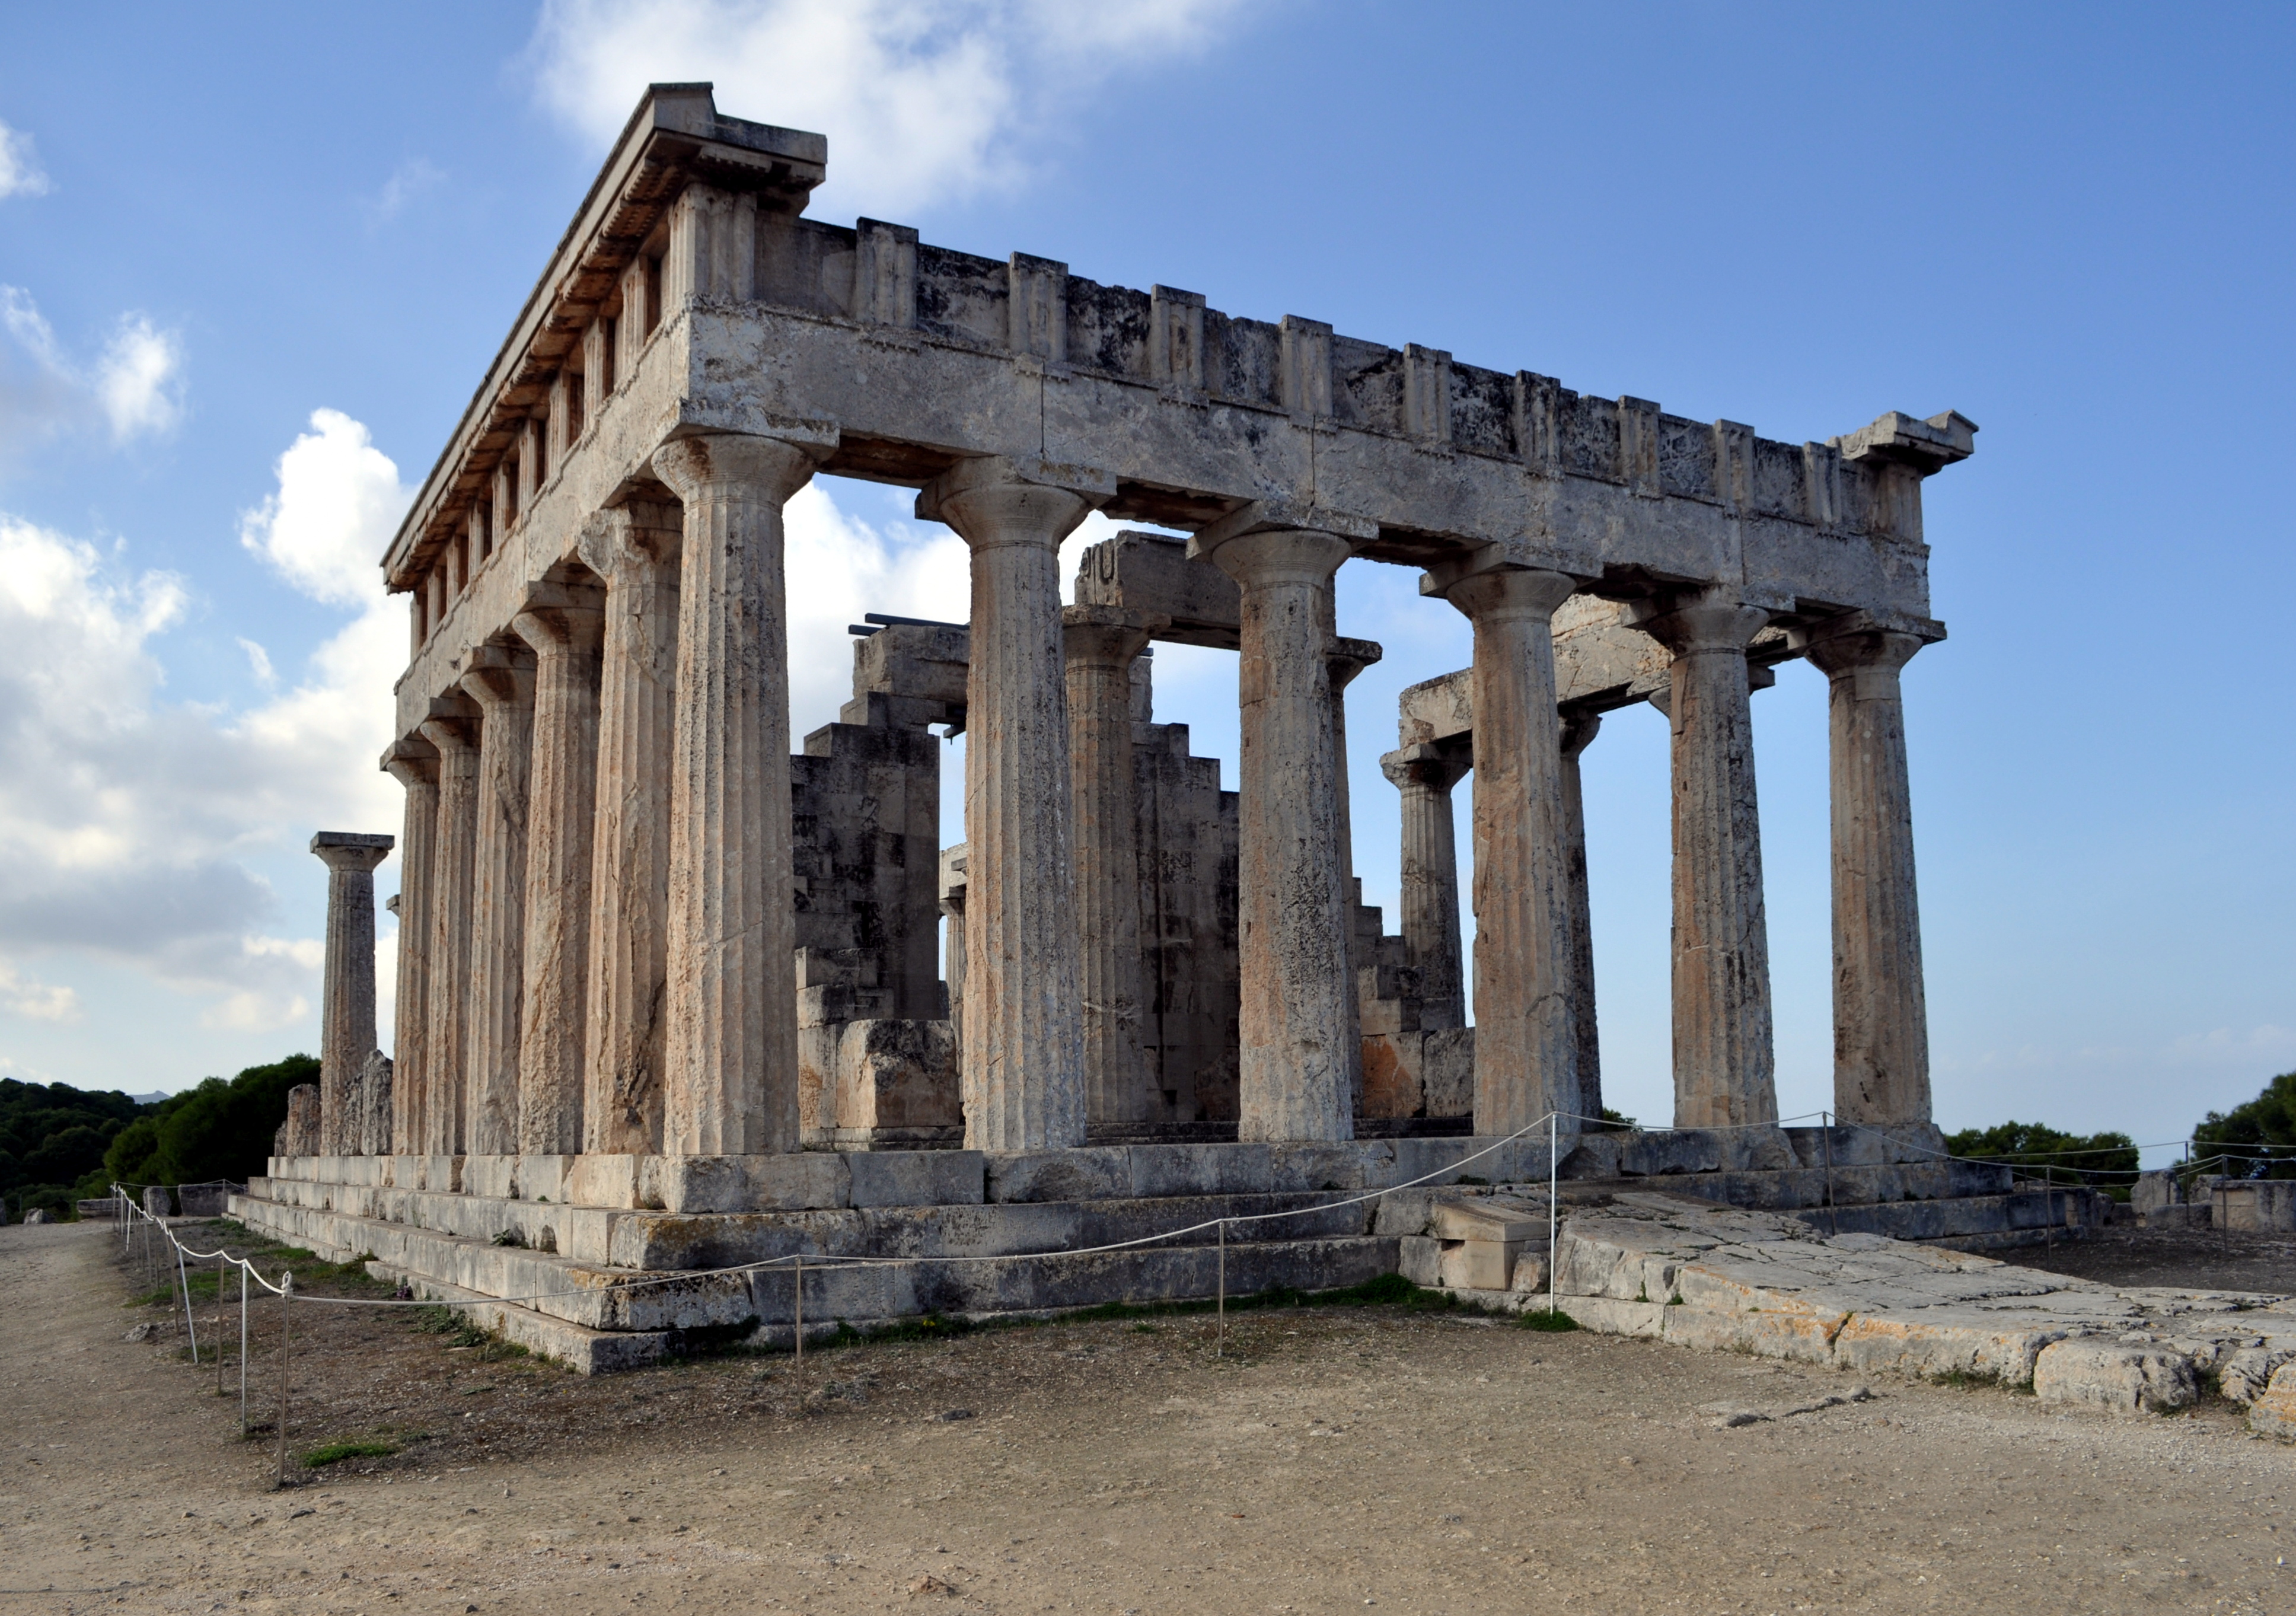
1723 1073
1424 775
1300 1047
502 683
1023 1052
1880 1014
952 907
1343 660
453 729
635 550
1100 645
413 763
1578 728
563 625
730 1060
347 991
1526 1038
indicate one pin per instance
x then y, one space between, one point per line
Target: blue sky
2070 223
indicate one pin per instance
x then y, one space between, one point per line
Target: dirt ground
1336 1458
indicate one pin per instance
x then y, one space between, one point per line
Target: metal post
1219 1339
800 1332
184 1278
220 1260
286 1295
1826 1133
242 1351
1554 1183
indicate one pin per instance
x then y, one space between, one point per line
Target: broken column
562 623
501 681
1023 1056
1579 726
1100 645
1424 775
347 991
1300 1052
1525 1035
1881 1016
635 551
413 763
731 1066
453 730
1723 1074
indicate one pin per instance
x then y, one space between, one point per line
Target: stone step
1973 1223
1799 1188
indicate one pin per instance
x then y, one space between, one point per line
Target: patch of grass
509 1237
1967 1380
1542 1318
1470 1178
1147 1329
335 1453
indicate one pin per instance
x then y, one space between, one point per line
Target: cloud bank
20 170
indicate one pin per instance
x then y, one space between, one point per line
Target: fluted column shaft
414 765
1023 1029
504 688
563 626
1100 645
1723 1061
1430 880
731 1072
347 990
453 858
1881 1011
635 551
1526 1036
1299 1044
1578 728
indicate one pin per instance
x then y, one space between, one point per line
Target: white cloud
140 378
135 388
921 101
22 996
839 567
126 820
20 170
407 181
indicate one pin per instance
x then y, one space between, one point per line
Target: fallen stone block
1941 1346
2273 1415
2114 1379
2245 1372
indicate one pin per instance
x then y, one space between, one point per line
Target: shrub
2105 1162
2259 1137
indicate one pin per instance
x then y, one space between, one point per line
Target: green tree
2105 1162
51 1134
2258 1138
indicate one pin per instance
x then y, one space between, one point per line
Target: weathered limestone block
1188 832
378 1101
2262 1206
38 1214
896 1079
159 1200
2244 1373
731 1065
2114 1379
347 992
1420 1073
203 1200
502 683
2152 1192
298 1135
2273 1414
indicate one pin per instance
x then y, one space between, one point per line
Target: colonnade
597 923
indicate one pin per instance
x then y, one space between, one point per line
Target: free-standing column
563 625
1300 1047
1723 1073
1023 1051
1526 1038
1424 775
635 551
730 1062
1100 645
1579 727
1343 660
453 729
413 763
347 992
1880 1014
502 685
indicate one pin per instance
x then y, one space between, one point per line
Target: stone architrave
1578 728
502 686
453 731
1723 1059
1100 645
1525 1035
347 991
730 1076
1023 1055
564 624
635 550
1881 1014
1424 776
413 763
1300 1050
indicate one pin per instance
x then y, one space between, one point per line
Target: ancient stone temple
668 972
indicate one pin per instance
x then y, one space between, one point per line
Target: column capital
1579 727
410 760
1484 582
992 500
1268 557
452 729
776 465
499 676
351 849
1348 657
1858 641
1281 514
637 533
1108 636
561 619
1700 622
1436 767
